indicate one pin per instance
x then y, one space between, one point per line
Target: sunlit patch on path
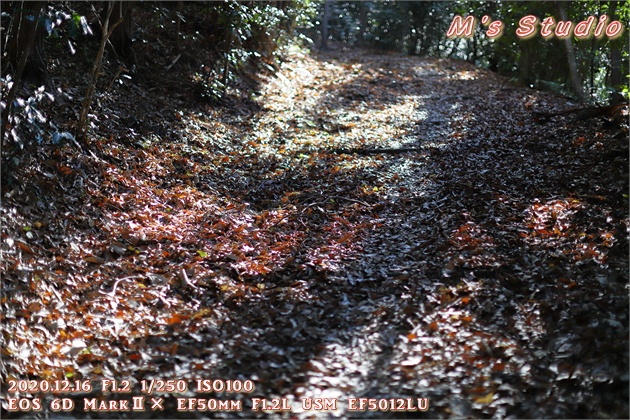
377 226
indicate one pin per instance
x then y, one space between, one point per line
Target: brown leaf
94 260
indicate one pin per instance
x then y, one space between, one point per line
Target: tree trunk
418 15
616 79
27 37
472 57
106 32
363 23
525 61
413 43
121 41
178 27
568 45
20 51
324 28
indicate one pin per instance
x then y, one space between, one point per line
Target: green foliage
416 27
246 32
543 63
27 123
419 27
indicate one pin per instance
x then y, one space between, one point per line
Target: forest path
484 269
463 289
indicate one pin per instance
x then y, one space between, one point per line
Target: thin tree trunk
525 61
591 84
324 29
363 23
615 66
26 36
120 40
568 45
413 43
473 57
226 64
418 15
178 26
106 31
616 79
20 47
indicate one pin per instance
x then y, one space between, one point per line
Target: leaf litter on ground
485 269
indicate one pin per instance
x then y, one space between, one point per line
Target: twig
120 70
87 101
316 203
173 63
375 151
350 199
113 292
583 113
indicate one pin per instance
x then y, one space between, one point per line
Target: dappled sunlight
559 225
315 119
323 224
471 248
466 75
332 239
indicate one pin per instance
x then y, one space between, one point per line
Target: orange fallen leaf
175 319
344 238
174 348
95 260
24 247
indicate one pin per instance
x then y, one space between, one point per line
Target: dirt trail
463 291
484 270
